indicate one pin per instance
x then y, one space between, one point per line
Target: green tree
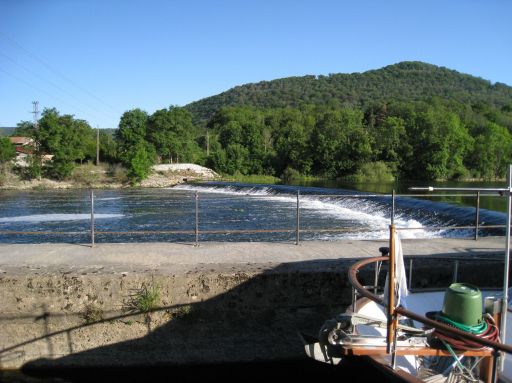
141 159
492 151
440 144
108 148
389 139
65 138
340 142
291 137
132 132
242 138
172 133
7 150
24 128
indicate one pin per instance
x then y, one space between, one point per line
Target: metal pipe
495 359
391 290
409 282
197 219
455 271
92 218
504 307
376 278
431 188
297 228
393 207
477 214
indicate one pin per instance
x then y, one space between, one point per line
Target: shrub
118 173
88 174
141 160
373 172
5 174
290 174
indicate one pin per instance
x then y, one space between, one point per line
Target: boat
450 335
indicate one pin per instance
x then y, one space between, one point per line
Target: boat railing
297 230
360 290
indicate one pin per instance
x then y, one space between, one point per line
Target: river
326 212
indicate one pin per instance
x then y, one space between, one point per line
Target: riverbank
105 177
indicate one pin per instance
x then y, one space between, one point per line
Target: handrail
92 232
243 231
361 290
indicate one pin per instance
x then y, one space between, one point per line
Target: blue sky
98 59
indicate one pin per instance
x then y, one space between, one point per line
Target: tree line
434 139
413 140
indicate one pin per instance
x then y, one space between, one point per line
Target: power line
92 108
57 72
42 91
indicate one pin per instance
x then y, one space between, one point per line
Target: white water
57 217
363 212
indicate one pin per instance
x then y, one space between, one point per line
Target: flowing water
140 215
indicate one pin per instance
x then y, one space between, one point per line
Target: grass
251 178
89 174
145 299
182 311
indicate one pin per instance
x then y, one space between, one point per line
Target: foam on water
57 217
366 212
231 190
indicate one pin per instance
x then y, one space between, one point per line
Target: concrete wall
84 317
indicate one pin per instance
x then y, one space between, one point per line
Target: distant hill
405 81
6 131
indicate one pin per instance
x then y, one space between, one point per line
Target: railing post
410 274
376 278
477 214
393 207
297 227
456 271
391 292
197 219
92 218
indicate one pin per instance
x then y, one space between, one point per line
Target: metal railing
359 290
297 230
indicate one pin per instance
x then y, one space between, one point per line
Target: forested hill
405 81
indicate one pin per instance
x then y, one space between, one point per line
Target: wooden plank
420 351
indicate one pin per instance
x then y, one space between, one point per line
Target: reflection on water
402 187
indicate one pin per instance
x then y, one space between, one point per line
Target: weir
146 304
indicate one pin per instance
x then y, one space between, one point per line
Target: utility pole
35 112
97 145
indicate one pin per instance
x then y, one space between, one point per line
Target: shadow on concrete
248 331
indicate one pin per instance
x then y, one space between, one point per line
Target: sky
96 59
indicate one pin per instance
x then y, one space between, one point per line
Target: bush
373 172
118 173
6 174
60 169
290 174
141 160
34 170
88 174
